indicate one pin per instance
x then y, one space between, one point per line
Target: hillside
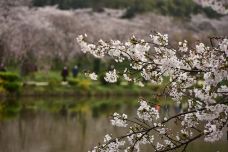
46 34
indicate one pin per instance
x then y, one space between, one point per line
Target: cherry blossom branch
197 76
145 131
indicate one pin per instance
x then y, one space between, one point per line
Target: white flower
169 143
111 76
159 146
114 146
118 120
147 113
200 48
160 39
214 133
224 46
107 138
93 76
162 131
126 77
183 46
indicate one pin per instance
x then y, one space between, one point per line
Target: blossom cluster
111 76
119 120
109 145
146 112
92 76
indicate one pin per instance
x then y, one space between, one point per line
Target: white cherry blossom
197 76
111 76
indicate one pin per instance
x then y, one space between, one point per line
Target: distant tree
220 6
177 8
36 37
40 2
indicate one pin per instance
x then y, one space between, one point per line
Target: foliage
12 87
43 76
9 109
73 82
10 82
83 84
220 6
8 76
178 8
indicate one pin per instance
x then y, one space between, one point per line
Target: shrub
130 13
84 84
10 82
73 82
8 76
80 83
53 82
12 87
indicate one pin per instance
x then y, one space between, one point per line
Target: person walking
65 73
75 71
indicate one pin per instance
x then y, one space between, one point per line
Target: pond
52 124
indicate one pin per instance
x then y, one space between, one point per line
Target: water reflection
69 125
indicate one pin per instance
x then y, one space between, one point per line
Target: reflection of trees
41 124
9 109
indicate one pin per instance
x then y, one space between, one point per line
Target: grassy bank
92 91
51 84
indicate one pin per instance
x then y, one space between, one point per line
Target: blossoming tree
197 75
219 6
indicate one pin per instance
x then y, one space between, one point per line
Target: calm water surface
69 124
